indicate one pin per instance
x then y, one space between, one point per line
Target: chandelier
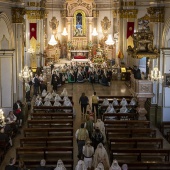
109 40
2 118
94 33
52 40
64 33
25 74
156 75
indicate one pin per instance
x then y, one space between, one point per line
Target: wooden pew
33 164
127 123
130 132
50 123
135 143
47 153
67 131
53 115
47 141
54 108
141 154
120 116
70 97
146 165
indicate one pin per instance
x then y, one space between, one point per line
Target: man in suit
43 165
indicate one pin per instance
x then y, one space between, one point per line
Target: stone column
90 27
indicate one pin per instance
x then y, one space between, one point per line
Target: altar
81 60
83 53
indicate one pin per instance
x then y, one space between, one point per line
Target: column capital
36 14
18 15
127 13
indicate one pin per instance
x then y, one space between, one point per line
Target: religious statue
54 25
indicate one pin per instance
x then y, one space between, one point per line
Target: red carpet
79 57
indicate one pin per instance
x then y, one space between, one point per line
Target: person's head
82 125
2 130
100 145
21 164
42 162
88 142
60 163
83 94
10 113
124 167
12 161
94 93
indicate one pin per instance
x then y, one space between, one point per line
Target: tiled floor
76 89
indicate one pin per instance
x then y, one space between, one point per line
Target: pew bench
165 128
120 116
50 123
130 132
66 131
52 108
47 153
53 115
47 141
135 143
140 154
127 123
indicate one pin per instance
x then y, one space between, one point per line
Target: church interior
125 41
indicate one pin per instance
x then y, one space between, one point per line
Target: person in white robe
123 102
57 103
67 102
101 155
133 102
115 102
124 167
53 94
123 109
115 165
64 92
44 93
88 152
57 97
48 97
100 124
105 102
80 165
47 102
60 165
110 109
39 102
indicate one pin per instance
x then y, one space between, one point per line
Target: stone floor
76 89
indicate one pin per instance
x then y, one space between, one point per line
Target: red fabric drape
130 29
33 30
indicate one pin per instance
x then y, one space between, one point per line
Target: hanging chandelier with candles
156 75
25 74
64 33
94 33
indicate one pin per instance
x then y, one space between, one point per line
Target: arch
10 30
166 34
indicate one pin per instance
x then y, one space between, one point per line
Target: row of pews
134 142
49 136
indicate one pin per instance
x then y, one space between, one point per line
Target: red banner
130 29
33 30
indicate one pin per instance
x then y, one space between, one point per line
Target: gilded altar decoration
128 13
18 15
106 24
36 14
143 45
156 14
54 25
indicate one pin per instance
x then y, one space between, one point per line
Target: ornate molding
63 13
18 15
128 13
42 3
95 13
156 14
105 24
129 4
36 14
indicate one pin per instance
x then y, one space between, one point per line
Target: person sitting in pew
105 102
124 167
100 166
80 165
123 102
64 92
44 93
133 102
66 98
43 165
57 103
99 123
48 97
67 102
110 109
123 109
39 102
80 77
21 165
54 94
47 102
57 97
115 102
115 165
60 165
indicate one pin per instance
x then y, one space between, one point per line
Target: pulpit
142 90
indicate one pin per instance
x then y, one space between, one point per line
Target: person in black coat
36 84
43 165
84 101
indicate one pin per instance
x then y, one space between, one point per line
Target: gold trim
18 15
156 14
130 3
36 14
144 18
128 13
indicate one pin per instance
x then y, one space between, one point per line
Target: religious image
79 27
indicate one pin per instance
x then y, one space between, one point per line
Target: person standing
36 84
95 100
84 101
81 136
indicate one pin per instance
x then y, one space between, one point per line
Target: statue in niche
79 27
54 25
